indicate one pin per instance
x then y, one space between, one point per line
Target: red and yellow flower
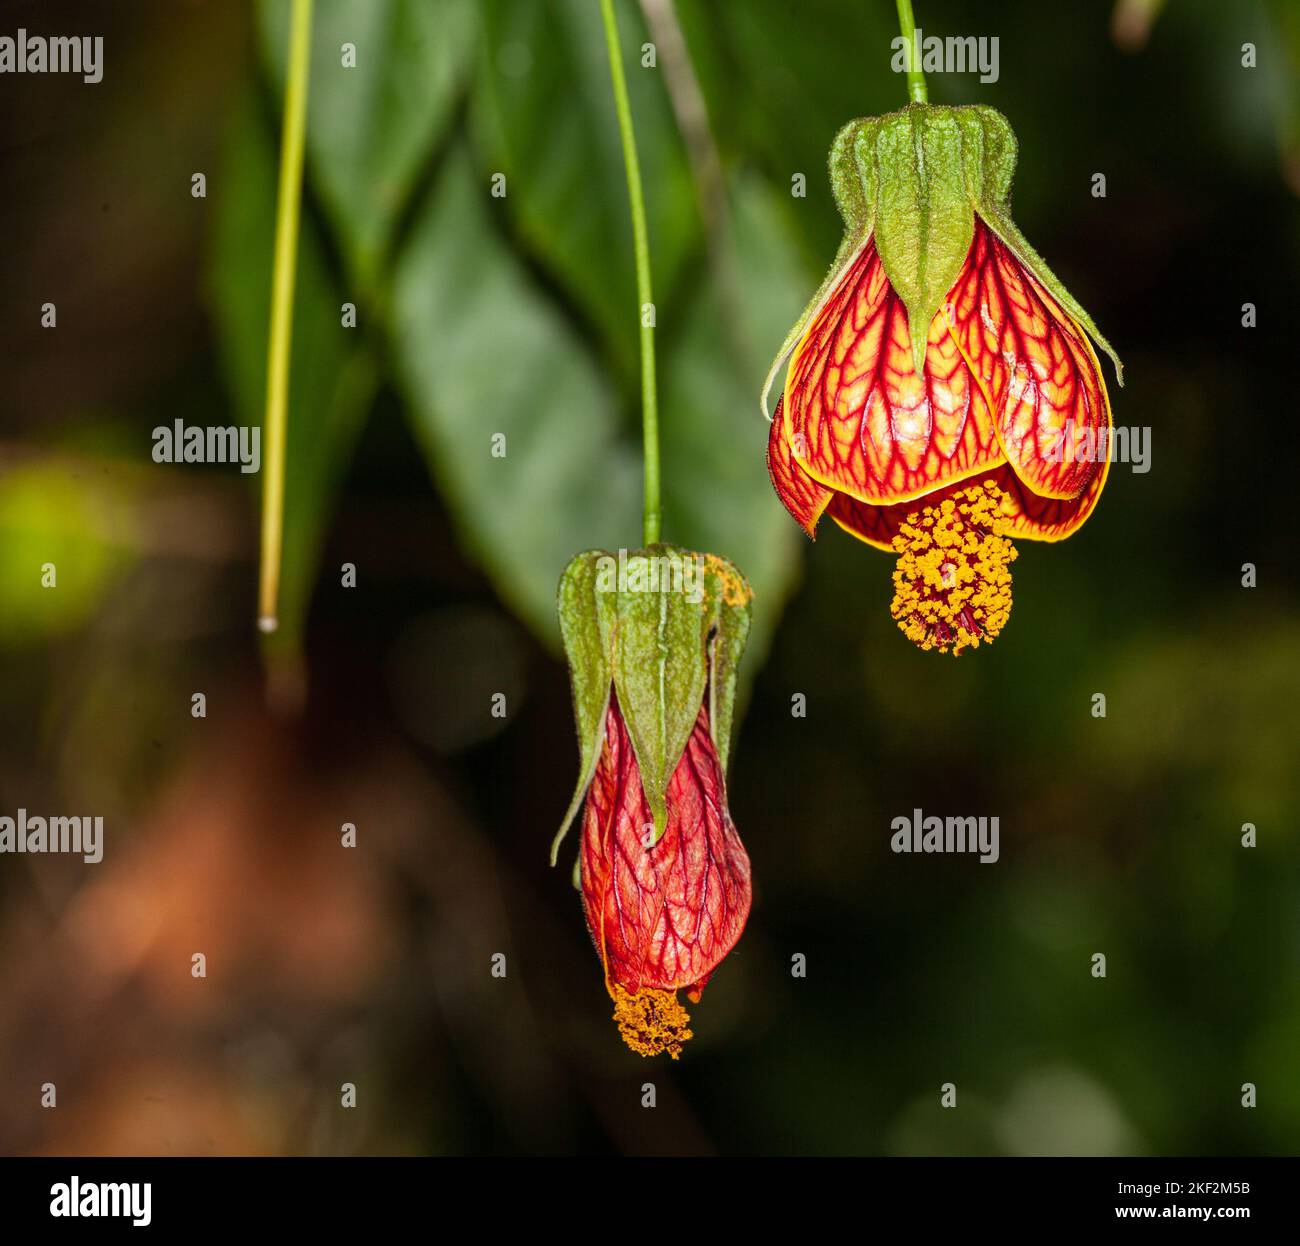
661 914
654 642
942 395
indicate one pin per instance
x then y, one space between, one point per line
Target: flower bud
654 640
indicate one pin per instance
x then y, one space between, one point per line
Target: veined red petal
1048 519
1037 367
1027 515
870 426
662 917
804 497
876 525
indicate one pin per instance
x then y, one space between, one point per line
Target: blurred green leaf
717 493
480 352
544 116
784 110
371 126
81 527
332 374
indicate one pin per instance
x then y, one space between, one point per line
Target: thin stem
916 89
283 270
651 506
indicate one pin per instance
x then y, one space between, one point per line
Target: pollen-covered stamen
952 584
651 1021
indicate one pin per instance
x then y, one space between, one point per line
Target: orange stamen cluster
952 584
651 1021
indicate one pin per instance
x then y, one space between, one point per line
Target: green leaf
544 116
371 126
925 219
331 376
591 670
732 611
717 495
779 79
480 352
660 668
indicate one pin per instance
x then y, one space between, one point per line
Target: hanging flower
662 913
654 640
942 395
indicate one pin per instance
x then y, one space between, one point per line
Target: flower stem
916 89
283 270
651 505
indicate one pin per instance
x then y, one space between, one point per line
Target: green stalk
652 511
283 270
916 89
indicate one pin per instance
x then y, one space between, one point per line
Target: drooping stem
916 89
651 506
283 269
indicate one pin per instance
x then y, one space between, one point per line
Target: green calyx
915 179
665 628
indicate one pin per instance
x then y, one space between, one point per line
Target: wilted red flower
662 915
996 426
654 641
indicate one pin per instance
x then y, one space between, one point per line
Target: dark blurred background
479 315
